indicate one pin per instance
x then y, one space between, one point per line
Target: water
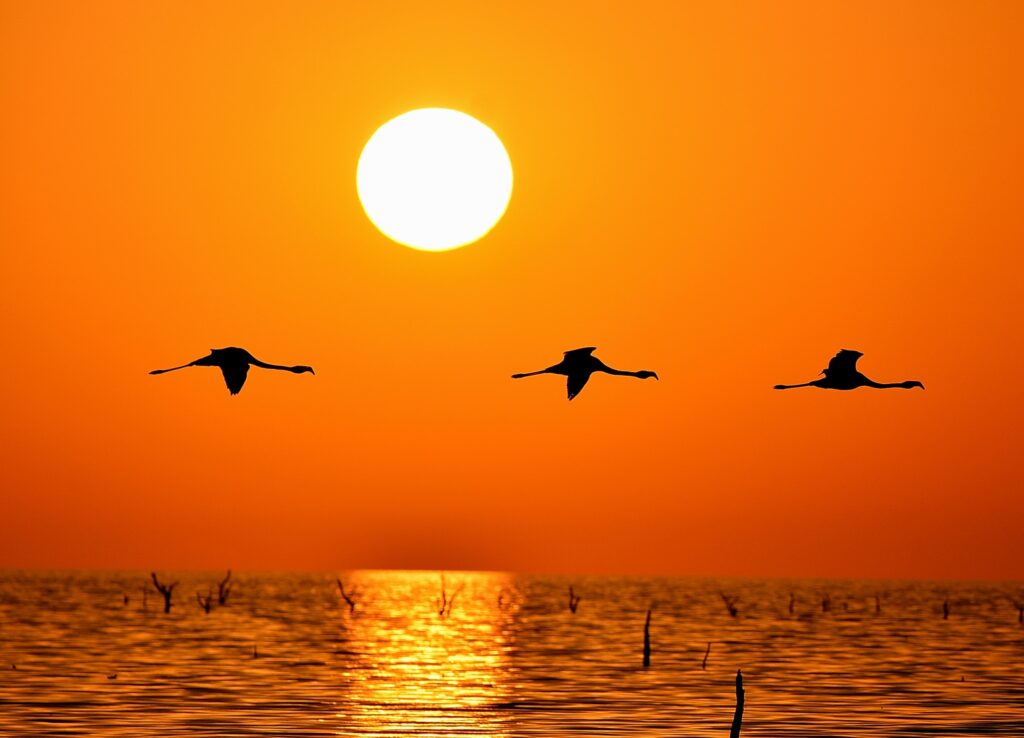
509 660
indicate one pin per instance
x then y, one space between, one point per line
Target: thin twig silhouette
445 601
349 596
167 590
205 602
224 589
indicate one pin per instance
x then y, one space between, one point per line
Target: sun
434 179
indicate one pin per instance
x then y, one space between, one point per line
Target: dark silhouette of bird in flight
578 365
842 374
234 364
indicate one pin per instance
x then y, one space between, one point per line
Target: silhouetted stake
826 603
224 590
737 718
792 602
730 603
574 601
349 597
704 663
842 374
145 598
878 604
945 609
647 640
205 602
1020 611
255 653
444 604
125 596
165 589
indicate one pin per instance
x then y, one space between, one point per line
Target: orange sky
724 193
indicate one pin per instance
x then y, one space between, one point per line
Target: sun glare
434 179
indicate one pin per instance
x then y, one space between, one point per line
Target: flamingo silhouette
234 364
578 365
842 374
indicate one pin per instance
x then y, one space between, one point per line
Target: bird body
842 374
578 365
234 364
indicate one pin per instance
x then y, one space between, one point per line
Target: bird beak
311 371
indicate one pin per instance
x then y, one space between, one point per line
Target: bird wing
576 383
586 351
234 376
844 362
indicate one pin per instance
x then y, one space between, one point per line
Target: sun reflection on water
414 670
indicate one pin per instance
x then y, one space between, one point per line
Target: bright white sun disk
434 179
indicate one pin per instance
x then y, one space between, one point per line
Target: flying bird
234 364
578 365
842 374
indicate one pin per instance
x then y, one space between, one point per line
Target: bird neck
619 372
265 365
885 385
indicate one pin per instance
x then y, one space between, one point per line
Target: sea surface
285 656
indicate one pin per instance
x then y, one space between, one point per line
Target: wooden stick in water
349 597
737 718
167 590
704 664
224 589
647 640
205 602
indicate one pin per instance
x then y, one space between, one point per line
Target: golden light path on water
420 671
